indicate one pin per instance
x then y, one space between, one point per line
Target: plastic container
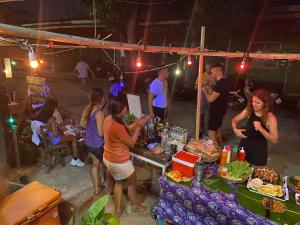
223 157
185 162
228 148
234 154
33 204
242 154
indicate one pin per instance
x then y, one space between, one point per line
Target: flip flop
139 208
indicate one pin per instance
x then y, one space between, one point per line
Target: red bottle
242 154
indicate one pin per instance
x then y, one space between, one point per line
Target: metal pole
200 75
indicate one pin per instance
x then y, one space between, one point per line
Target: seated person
56 135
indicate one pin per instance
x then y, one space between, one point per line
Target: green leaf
113 221
98 207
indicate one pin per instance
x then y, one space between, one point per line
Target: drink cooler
34 204
185 162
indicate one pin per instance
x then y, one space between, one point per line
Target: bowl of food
236 172
294 183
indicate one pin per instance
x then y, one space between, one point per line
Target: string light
13 63
32 59
189 60
139 61
177 71
41 61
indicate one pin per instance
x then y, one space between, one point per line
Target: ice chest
184 162
34 204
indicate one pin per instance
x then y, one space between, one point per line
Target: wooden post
199 95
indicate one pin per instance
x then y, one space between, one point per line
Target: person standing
261 127
158 95
218 99
117 142
208 82
92 120
82 68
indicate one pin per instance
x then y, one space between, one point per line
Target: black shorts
160 112
215 120
97 152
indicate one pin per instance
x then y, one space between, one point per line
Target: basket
234 181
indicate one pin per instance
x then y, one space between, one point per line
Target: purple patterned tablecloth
197 205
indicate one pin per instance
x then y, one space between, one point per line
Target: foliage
96 214
110 12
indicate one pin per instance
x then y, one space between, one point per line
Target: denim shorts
97 152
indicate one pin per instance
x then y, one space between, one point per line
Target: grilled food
267 175
177 176
274 206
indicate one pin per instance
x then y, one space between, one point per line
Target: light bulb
139 61
34 64
189 60
177 71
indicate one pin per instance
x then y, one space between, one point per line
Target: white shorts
120 171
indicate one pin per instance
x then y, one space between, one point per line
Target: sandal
101 187
139 208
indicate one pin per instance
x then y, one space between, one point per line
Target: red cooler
185 162
34 204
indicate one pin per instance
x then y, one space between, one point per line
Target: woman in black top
261 127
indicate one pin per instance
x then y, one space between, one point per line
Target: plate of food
273 205
267 182
294 183
178 176
236 172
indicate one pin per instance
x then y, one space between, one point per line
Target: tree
119 18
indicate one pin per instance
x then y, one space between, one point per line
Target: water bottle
199 171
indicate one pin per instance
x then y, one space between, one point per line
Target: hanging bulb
32 59
177 71
189 60
242 66
139 60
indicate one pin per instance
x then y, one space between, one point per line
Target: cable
58 52
146 3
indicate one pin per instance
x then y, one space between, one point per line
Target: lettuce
239 169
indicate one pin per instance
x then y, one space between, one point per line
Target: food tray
285 196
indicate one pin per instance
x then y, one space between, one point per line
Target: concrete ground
75 183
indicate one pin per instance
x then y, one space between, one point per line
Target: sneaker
77 162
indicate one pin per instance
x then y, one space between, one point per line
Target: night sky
52 10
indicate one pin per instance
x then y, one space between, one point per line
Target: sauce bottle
234 154
242 154
223 157
228 149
